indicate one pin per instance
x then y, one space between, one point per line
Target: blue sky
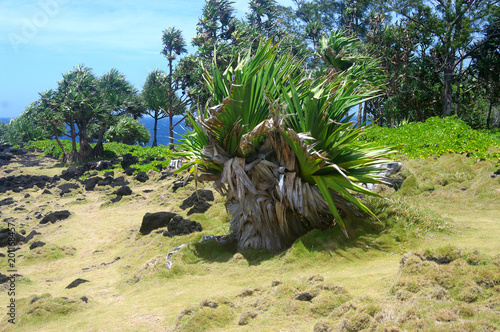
40 40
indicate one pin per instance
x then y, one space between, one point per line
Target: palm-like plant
156 96
278 146
173 45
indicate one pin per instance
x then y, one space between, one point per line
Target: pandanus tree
279 146
173 45
156 97
342 54
88 106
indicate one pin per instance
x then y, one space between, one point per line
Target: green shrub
435 137
129 131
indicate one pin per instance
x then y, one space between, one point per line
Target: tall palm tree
173 45
277 144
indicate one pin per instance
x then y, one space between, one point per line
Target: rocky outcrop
5 158
7 201
21 182
37 244
72 173
90 183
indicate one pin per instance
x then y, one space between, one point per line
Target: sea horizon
163 135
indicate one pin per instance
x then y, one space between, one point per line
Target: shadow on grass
362 233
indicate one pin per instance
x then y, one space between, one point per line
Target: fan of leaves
281 148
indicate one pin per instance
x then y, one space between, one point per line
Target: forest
438 58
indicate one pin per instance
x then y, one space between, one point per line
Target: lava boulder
152 221
53 217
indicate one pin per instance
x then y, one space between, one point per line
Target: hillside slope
416 271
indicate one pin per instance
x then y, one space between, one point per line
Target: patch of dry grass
357 283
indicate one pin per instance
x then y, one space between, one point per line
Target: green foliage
25 128
50 147
266 104
113 150
435 137
88 105
129 131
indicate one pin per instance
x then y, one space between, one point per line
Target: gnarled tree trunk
270 205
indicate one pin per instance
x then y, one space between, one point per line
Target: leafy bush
50 147
129 131
435 137
159 155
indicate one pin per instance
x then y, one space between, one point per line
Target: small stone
76 283
37 244
304 297
116 199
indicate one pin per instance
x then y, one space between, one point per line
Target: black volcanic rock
106 181
123 191
304 297
102 165
142 177
69 173
18 152
128 160
76 283
130 171
31 235
7 201
37 244
55 216
90 183
21 182
180 226
6 235
67 187
198 201
152 221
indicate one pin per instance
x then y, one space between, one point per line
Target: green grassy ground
384 278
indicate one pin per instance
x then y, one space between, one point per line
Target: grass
386 276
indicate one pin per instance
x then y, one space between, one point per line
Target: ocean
163 135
